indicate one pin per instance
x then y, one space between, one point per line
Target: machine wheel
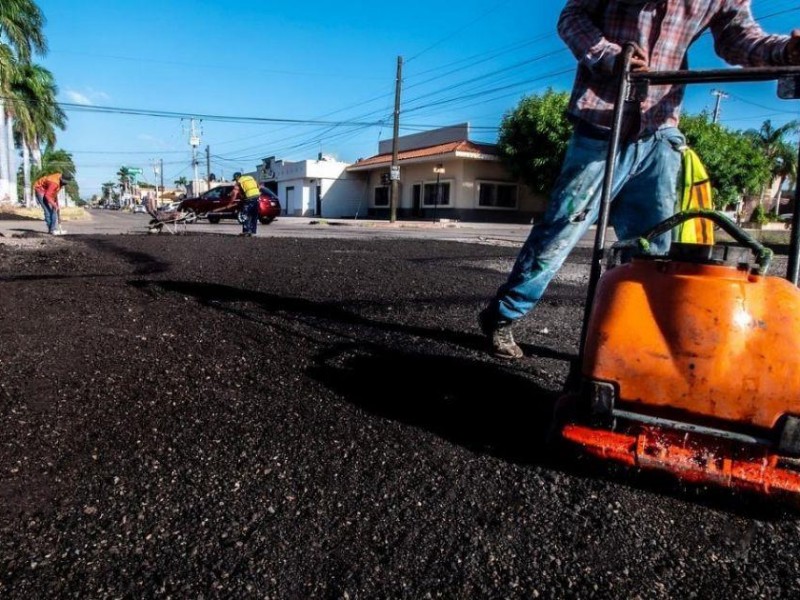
190 216
214 219
266 220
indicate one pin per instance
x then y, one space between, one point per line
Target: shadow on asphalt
13 217
143 263
474 404
216 295
483 406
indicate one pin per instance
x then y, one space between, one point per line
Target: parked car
139 208
217 204
169 206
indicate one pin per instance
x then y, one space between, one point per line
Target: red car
216 204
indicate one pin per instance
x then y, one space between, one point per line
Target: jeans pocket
676 139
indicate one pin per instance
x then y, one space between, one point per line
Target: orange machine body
698 342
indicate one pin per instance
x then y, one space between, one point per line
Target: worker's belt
594 132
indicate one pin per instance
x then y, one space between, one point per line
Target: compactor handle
762 254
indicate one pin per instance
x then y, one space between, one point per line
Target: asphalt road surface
282 417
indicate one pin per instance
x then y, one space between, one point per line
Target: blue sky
469 61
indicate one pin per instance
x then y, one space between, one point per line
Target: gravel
202 416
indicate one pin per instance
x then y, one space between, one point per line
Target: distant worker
247 191
46 189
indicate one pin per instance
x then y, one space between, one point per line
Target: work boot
500 335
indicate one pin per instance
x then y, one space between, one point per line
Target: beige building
444 175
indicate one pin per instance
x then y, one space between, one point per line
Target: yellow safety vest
695 194
249 187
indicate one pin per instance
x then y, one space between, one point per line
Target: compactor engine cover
697 341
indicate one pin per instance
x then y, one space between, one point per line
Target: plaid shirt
595 31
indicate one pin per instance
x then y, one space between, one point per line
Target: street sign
134 170
394 173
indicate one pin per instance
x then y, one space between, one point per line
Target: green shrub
760 215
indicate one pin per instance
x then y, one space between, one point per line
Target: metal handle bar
762 254
713 75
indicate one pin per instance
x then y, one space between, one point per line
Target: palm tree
21 34
182 182
21 27
108 191
770 140
8 65
37 116
125 180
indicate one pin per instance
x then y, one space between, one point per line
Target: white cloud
87 97
78 98
98 95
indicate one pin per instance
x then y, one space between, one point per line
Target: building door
416 198
289 200
319 200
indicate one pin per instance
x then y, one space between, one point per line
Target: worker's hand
793 48
639 60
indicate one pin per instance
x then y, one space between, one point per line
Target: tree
21 27
125 180
735 165
533 139
182 182
108 191
37 116
780 156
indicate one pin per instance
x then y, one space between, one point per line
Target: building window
429 196
497 195
382 196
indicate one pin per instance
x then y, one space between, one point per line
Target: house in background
314 188
444 175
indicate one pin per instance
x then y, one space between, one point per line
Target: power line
459 30
199 116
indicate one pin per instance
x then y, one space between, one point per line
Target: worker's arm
236 192
579 31
741 41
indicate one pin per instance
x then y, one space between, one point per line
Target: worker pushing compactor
649 159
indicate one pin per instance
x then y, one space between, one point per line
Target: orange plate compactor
689 362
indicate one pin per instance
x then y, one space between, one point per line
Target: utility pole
208 166
155 173
161 170
394 174
194 141
720 97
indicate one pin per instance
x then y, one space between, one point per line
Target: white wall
299 203
343 198
342 194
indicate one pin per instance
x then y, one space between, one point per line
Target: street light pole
438 169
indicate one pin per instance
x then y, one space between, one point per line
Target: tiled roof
460 149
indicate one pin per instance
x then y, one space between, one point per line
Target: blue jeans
251 222
644 191
50 214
